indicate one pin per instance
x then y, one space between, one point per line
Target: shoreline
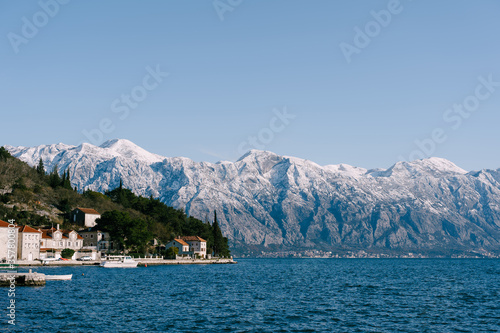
142 262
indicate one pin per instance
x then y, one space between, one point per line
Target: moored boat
58 277
119 262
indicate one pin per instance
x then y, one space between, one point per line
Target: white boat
119 262
58 277
45 261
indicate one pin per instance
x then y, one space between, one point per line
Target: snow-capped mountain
264 198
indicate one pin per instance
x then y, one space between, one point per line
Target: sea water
267 295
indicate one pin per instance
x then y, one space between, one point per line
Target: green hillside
36 197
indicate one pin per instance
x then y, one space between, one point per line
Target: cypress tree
66 181
218 238
55 179
40 169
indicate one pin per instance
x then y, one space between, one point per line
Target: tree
67 253
217 236
66 181
116 224
54 178
127 232
40 169
172 252
4 154
220 243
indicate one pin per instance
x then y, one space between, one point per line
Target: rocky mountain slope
265 199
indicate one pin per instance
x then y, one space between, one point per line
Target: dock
22 279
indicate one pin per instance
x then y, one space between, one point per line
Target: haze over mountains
265 199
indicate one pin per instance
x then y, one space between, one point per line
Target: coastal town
89 245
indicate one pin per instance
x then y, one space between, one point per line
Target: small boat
45 261
119 262
58 277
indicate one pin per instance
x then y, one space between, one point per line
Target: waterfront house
181 245
85 217
191 246
28 245
55 240
5 232
94 238
197 245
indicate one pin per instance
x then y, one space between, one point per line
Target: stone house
85 217
191 246
28 246
96 239
181 245
55 240
197 245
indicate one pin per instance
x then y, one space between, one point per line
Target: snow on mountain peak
440 164
433 166
255 154
346 170
128 149
265 198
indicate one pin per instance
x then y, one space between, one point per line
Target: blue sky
227 79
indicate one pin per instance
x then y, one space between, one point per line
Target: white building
189 246
85 217
181 245
7 233
197 245
28 246
55 240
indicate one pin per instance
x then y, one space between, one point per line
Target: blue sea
267 295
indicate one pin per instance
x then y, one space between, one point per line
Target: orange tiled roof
89 211
47 233
26 228
178 240
4 224
193 239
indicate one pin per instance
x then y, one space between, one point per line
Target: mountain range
265 200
